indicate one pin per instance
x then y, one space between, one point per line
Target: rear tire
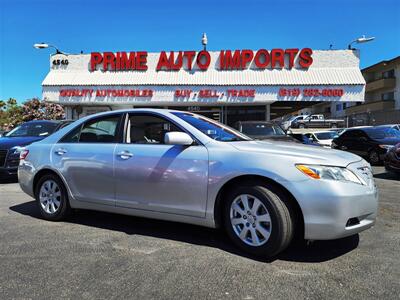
265 226
52 198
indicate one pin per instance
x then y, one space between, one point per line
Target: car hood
9 142
317 155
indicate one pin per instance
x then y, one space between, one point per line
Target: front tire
52 198
373 158
258 220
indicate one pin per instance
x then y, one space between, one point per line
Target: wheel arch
252 179
44 172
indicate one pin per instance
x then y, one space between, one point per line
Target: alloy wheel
50 196
250 220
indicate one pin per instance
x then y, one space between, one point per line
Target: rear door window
99 130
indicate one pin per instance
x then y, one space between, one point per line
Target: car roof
49 121
41 121
319 131
388 125
359 127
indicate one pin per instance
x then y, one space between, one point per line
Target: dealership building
226 85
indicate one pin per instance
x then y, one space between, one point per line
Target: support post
268 112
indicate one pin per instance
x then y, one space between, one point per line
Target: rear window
382 133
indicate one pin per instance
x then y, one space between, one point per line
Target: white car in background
324 138
288 123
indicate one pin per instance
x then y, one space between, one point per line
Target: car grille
3 155
13 163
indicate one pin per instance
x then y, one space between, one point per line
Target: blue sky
177 25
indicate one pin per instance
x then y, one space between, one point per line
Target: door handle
60 151
125 154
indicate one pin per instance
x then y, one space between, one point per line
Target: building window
339 107
387 96
388 74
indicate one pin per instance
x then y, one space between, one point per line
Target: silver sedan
183 167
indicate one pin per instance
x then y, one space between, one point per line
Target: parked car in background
318 121
263 130
183 167
369 142
338 131
392 159
302 138
287 124
324 138
25 134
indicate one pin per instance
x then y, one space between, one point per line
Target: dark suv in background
372 143
20 136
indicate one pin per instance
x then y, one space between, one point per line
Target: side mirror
178 138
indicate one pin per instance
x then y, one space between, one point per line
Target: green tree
34 109
12 114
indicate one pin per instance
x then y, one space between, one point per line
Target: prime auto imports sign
228 60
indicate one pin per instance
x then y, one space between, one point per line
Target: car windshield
328 135
295 118
382 133
32 129
261 129
211 128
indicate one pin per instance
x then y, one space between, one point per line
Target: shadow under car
298 251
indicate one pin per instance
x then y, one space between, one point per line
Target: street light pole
204 40
360 40
44 46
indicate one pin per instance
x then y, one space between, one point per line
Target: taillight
23 154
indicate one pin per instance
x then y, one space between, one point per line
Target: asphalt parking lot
99 255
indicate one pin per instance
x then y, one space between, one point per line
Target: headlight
387 147
16 149
329 173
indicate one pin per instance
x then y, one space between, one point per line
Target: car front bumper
9 167
333 209
8 172
392 162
